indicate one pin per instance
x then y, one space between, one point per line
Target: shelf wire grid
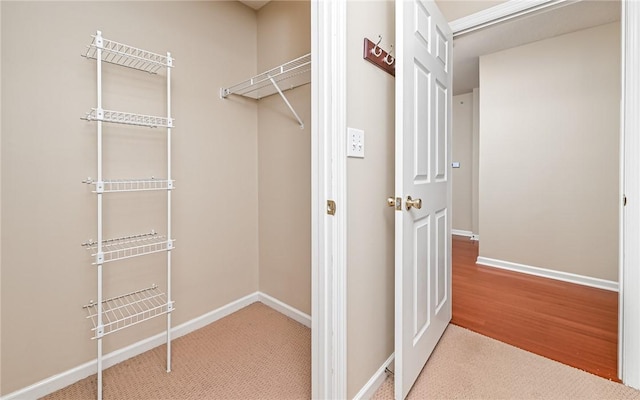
120 117
128 56
129 246
128 309
296 72
130 185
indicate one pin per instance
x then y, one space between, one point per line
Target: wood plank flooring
573 324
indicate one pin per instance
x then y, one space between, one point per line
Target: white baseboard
551 274
285 309
370 388
469 234
59 381
460 232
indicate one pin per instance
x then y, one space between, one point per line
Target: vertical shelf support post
169 301
99 323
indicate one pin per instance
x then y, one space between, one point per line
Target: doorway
626 267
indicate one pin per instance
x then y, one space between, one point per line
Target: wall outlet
355 143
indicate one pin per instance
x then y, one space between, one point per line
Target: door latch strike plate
331 207
395 202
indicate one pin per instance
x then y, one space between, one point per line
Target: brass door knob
391 202
417 203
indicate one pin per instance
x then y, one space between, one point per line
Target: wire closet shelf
128 247
289 75
129 185
128 309
127 56
119 117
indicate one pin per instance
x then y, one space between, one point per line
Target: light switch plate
355 143
455 164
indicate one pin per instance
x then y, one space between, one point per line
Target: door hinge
331 207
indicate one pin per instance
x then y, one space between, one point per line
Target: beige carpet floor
257 353
466 365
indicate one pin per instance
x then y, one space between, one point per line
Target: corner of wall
284 161
475 223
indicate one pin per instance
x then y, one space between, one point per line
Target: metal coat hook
389 59
379 52
378 56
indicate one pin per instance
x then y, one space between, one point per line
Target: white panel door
423 174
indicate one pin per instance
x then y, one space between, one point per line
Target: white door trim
629 319
629 276
502 13
329 239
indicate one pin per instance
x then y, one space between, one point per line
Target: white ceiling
570 18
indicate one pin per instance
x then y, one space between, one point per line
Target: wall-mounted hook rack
379 57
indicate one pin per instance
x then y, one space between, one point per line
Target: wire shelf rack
128 309
119 117
289 75
130 185
127 56
128 247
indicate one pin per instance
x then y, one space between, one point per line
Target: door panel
442 273
421 277
422 138
423 154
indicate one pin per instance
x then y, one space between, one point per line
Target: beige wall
454 9
284 160
549 153
47 150
462 132
370 241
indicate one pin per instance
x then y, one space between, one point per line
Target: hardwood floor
573 324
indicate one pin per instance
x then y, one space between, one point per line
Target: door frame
629 276
329 177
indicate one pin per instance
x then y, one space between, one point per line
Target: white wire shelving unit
287 76
115 313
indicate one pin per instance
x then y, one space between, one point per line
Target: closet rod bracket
287 102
